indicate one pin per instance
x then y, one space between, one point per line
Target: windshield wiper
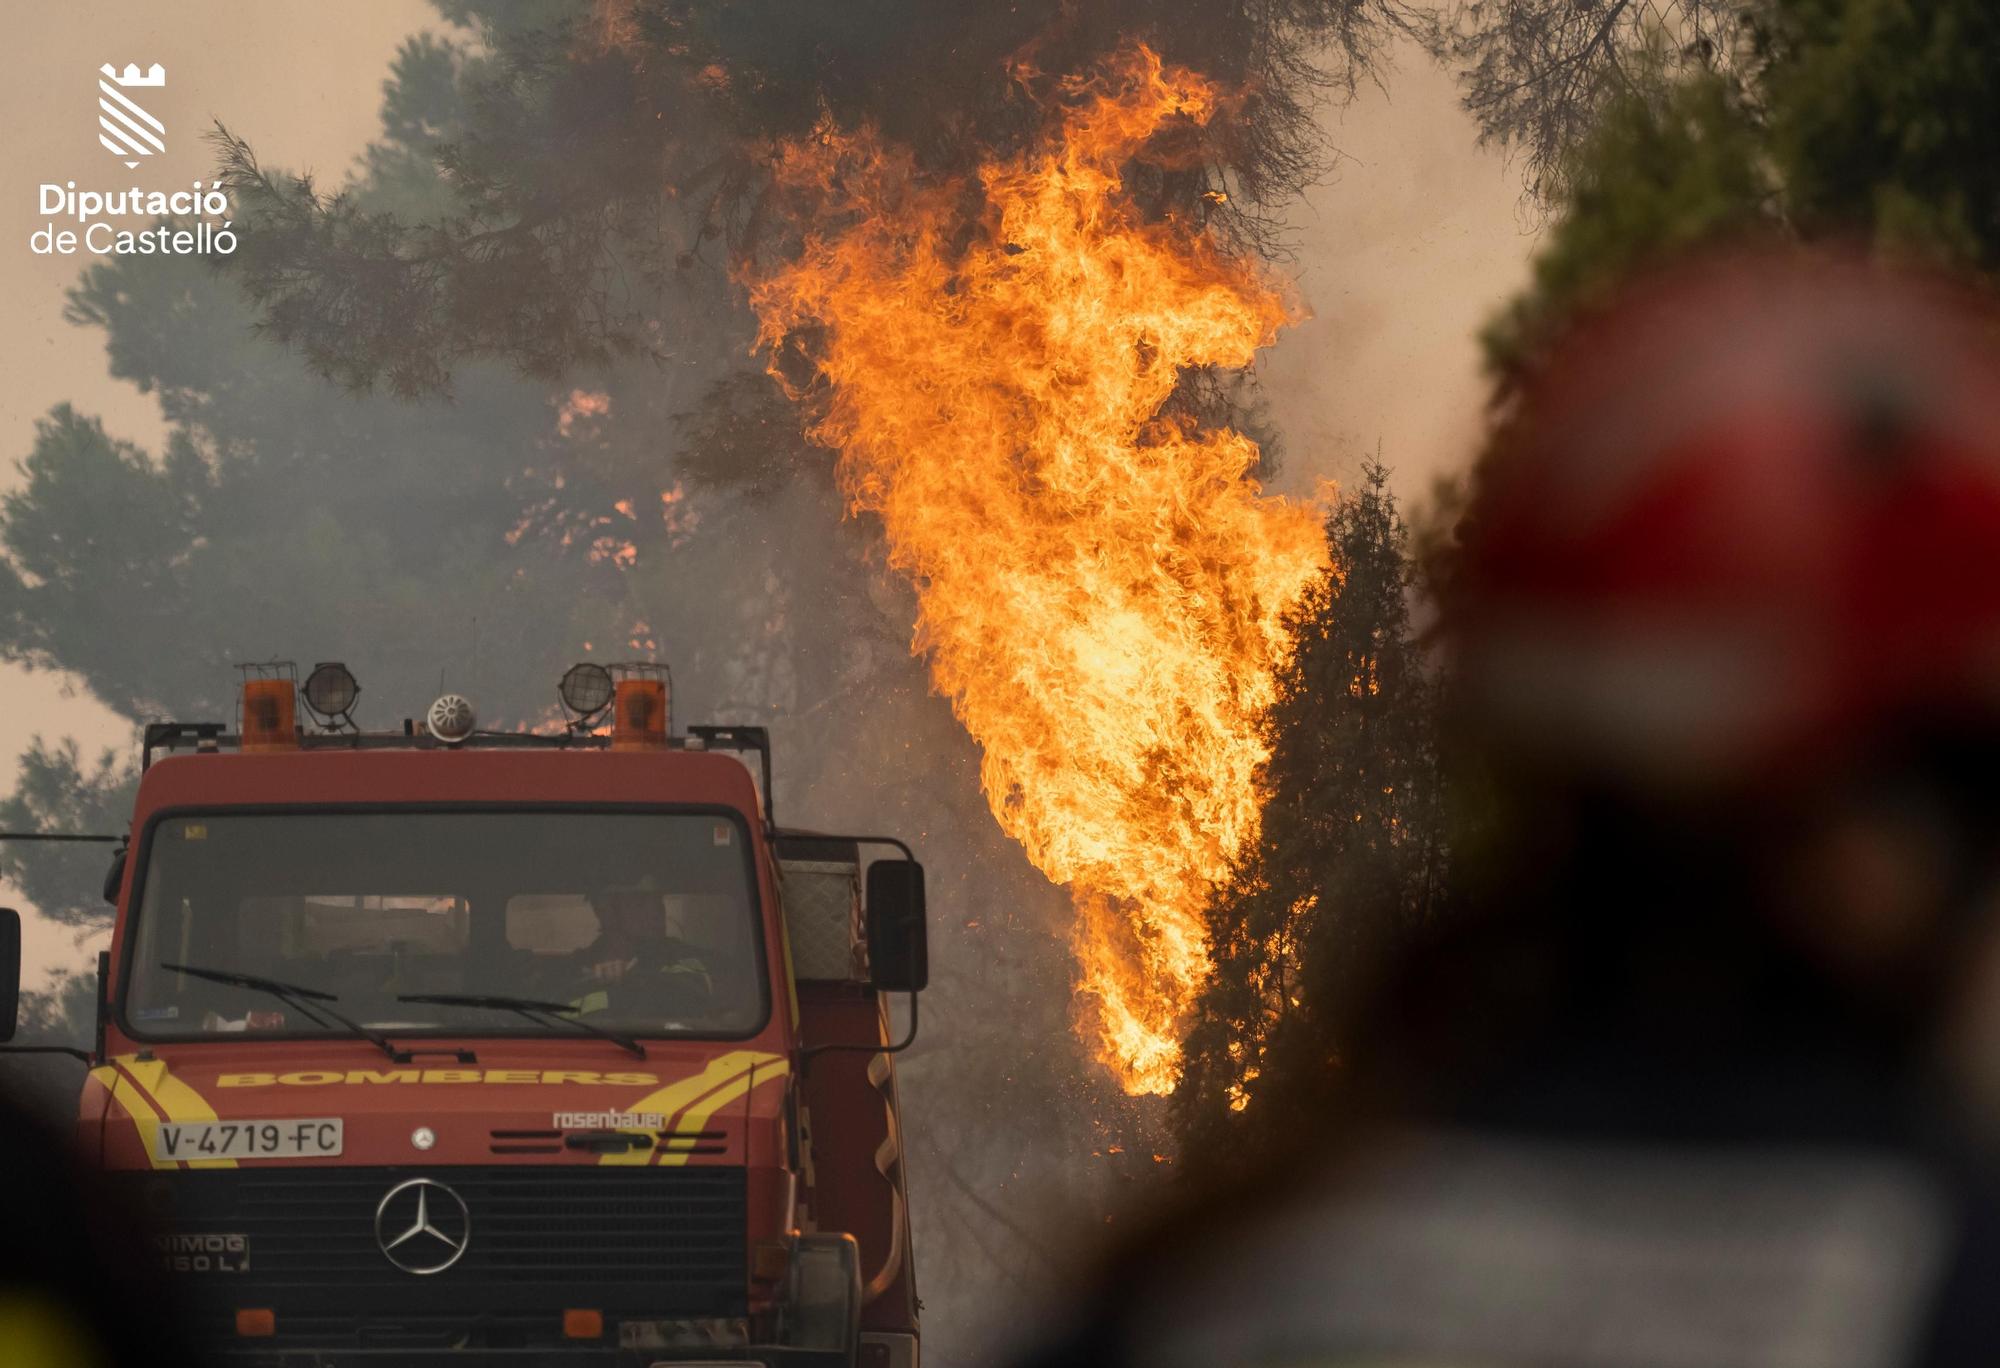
296 995
533 1009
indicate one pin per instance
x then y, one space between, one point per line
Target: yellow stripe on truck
668 1101
769 1069
133 1081
127 1095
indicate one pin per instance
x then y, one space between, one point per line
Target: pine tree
1348 861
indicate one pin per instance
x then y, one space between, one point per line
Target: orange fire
1100 589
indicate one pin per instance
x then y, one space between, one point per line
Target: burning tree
1100 590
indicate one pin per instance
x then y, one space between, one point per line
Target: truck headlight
823 1308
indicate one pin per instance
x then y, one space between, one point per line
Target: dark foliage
1882 118
1864 121
1538 75
58 791
611 158
1349 861
746 435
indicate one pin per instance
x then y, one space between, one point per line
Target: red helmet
1749 509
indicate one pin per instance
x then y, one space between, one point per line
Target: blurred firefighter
1706 1071
79 1276
634 959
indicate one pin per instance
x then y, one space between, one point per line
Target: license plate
311 1138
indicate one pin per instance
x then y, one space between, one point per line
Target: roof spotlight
331 691
585 690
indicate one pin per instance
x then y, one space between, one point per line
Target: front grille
656 1242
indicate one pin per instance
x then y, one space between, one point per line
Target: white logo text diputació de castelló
190 222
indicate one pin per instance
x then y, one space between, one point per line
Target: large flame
1100 590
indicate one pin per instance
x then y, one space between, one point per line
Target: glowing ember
1100 590
579 407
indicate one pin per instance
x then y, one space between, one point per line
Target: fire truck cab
454 1045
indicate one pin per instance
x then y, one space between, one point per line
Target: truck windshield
642 922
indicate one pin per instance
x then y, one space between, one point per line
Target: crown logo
156 75
126 129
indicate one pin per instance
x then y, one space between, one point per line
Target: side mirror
898 950
114 878
10 972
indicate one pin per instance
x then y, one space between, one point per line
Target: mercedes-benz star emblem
422 1226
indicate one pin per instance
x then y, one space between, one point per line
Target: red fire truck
449 1044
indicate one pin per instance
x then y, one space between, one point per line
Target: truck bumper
591 1356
